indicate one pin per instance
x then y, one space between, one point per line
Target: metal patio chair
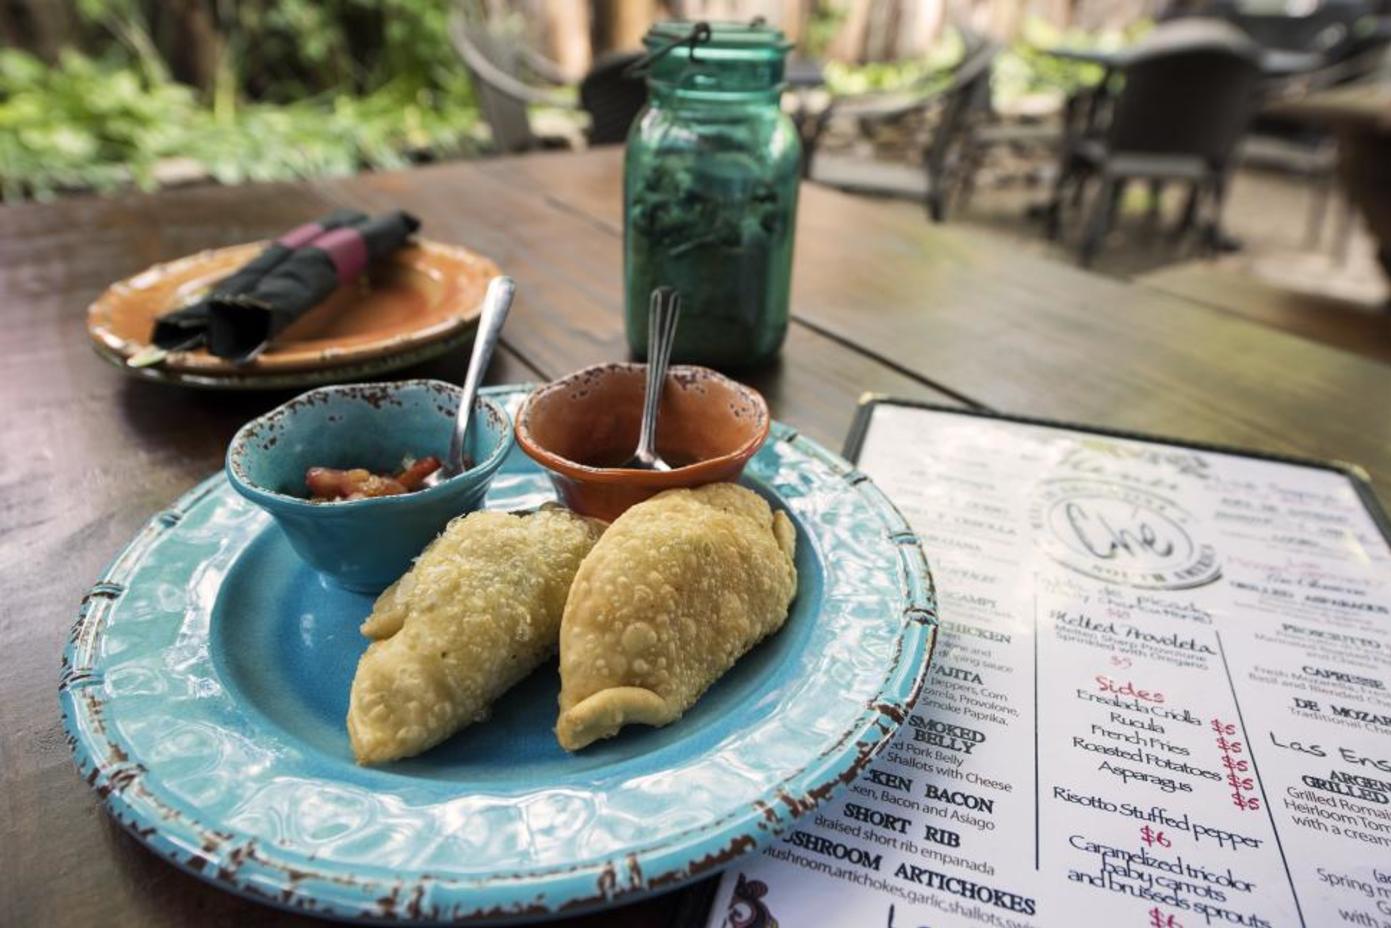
508 79
958 97
1174 111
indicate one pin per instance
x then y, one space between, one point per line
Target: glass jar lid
710 60
739 40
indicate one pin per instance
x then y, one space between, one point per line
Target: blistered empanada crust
479 611
676 591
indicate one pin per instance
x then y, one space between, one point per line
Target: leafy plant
1021 70
887 76
302 89
1026 68
79 123
822 25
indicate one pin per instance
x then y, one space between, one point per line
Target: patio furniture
804 74
1353 45
1339 42
1360 117
803 78
496 60
1173 111
1343 41
910 308
612 96
960 98
1324 32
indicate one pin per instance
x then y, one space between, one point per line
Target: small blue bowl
363 545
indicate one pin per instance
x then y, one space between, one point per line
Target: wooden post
919 26
849 43
881 31
198 46
50 26
1006 17
793 20
567 26
619 25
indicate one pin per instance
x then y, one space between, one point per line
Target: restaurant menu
1160 698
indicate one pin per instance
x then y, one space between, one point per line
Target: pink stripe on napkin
300 236
347 249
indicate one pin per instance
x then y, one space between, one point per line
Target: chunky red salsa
328 484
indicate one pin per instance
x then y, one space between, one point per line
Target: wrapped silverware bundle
246 310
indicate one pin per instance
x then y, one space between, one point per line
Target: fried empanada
676 591
478 611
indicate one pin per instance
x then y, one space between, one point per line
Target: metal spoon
662 313
496 303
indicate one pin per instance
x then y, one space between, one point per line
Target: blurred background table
1275 62
1360 116
882 302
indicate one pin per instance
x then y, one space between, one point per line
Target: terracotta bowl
582 425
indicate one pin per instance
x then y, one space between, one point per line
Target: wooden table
883 301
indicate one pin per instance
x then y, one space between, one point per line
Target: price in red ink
1161 919
1231 749
1151 837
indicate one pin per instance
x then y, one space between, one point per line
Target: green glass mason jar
710 192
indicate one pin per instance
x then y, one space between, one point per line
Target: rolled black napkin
186 328
239 325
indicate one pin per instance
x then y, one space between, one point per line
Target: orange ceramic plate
420 302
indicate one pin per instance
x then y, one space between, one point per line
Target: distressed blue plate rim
132 790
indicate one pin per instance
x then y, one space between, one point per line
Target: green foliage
1025 68
886 76
822 25
290 48
383 129
1022 70
79 123
304 88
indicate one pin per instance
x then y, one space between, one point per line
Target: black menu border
1361 483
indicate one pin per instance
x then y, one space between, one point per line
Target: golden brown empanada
676 591
478 611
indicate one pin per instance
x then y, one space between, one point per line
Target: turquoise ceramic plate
206 684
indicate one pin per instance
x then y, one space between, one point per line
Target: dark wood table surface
883 301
